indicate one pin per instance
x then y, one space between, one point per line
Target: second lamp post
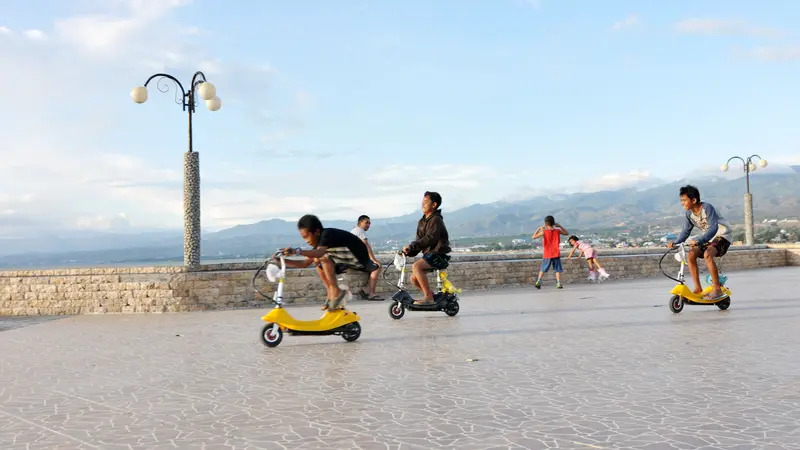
749 166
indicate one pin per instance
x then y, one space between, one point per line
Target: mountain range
774 196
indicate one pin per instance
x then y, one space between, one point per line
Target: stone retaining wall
220 286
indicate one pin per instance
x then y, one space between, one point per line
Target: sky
358 107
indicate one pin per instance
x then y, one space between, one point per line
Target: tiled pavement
588 367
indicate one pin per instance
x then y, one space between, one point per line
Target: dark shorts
555 263
720 243
343 260
438 261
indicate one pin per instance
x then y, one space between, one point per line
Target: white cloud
35 35
775 54
724 27
5 30
631 21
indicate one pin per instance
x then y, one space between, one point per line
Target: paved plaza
604 366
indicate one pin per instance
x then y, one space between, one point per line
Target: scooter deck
329 322
690 296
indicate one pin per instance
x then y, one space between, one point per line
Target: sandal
711 297
424 302
373 298
337 304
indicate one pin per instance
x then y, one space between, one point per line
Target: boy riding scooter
434 243
333 251
714 242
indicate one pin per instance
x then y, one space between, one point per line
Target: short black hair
362 218
549 221
690 191
573 238
309 222
435 198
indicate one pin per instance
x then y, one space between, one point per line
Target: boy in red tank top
551 252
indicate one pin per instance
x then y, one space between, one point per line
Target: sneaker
538 284
558 286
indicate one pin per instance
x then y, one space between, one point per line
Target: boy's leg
545 267
717 248
420 269
709 256
324 279
556 262
692 261
329 274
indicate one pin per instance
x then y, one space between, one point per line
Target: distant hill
775 196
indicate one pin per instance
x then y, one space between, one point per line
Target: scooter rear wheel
396 310
353 332
452 309
724 304
270 337
676 304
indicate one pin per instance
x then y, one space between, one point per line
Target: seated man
334 252
714 241
434 243
360 230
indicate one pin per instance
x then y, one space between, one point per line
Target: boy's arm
299 264
432 233
687 228
713 224
562 230
538 233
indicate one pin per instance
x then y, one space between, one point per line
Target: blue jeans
555 263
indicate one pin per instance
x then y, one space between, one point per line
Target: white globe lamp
724 167
214 104
207 91
139 94
762 163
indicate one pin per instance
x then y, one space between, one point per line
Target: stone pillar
191 209
748 219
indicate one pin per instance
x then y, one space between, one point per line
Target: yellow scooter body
684 291
330 320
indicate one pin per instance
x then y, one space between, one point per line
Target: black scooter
445 299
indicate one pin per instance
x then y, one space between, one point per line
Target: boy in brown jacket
434 243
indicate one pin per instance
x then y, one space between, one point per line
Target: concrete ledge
224 286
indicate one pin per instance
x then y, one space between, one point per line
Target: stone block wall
223 286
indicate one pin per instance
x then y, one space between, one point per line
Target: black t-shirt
336 238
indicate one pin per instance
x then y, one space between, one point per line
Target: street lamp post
749 166
191 159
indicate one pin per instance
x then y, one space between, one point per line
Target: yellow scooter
339 322
682 295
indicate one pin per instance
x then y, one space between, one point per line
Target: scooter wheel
451 309
724 304
396 310
676 304
270 337
353 332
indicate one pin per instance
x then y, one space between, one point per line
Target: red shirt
551 242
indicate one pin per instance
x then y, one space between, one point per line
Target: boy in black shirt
434 243
334 251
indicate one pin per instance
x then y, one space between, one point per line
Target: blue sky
344 108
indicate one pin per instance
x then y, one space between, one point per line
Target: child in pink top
590 254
